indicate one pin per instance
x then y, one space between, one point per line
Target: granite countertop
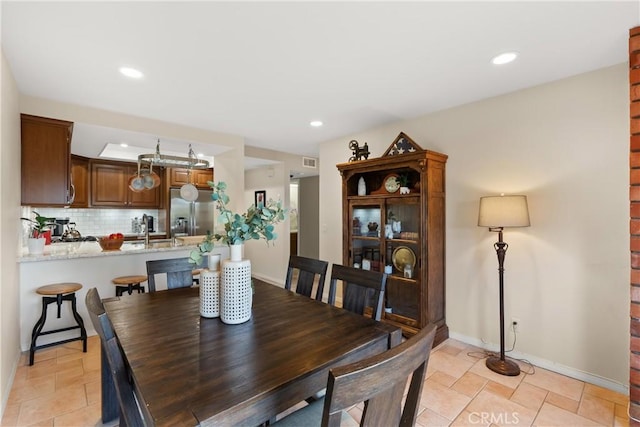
74 250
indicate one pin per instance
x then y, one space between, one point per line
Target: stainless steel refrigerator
191 218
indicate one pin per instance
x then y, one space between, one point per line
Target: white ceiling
263 70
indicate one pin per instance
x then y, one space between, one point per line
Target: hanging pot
189 192
147 180
136 183
151 179
156 179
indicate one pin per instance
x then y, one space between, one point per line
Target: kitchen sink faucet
145 221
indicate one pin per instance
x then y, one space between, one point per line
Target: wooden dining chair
378 381
308 269
360 288
178 270
130 414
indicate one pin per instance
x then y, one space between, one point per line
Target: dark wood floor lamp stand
495 363
496 213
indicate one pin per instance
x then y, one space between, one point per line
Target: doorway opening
294 185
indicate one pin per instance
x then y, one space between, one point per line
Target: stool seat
125 280
129 284
57 293
58 288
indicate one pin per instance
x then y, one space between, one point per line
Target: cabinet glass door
365 237
402 256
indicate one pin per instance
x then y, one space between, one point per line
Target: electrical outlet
516 325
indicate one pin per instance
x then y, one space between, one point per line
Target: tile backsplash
98 222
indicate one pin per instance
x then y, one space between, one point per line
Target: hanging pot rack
157 159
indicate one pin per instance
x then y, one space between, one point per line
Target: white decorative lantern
236 294
210 293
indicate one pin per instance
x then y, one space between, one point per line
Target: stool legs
79 321
37 329
129 289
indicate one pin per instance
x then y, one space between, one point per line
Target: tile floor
63 389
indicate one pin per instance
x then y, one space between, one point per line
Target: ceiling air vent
309 162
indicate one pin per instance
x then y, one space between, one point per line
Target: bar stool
129 284
62 292
196 276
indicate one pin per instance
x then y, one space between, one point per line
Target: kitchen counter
72 250
87 264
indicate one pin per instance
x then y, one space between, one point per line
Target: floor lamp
498 213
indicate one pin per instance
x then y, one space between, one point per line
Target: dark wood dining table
190 370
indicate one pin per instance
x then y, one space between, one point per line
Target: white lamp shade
503 211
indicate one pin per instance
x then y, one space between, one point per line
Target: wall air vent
309 162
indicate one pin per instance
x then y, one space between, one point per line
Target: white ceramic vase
362 187
236 252
236 294
36 245
214 262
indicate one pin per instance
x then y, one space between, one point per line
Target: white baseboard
9 384
270 280
549 365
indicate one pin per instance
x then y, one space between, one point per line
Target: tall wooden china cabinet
393 219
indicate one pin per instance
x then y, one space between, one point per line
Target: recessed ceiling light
131 72
504 58
316 123
124 145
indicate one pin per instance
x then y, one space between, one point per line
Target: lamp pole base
503 367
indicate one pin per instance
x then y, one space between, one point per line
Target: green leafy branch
255 224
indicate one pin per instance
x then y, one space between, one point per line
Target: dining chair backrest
98 316
380 382
130 414
308 269
178 270
360 289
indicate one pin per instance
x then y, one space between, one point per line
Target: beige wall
9 218
565 145
292 162
268 262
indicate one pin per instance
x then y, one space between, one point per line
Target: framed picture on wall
260 197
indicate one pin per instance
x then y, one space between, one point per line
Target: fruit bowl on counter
112 242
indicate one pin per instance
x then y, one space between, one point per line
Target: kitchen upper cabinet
199 177
80 181
45 163
110 187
